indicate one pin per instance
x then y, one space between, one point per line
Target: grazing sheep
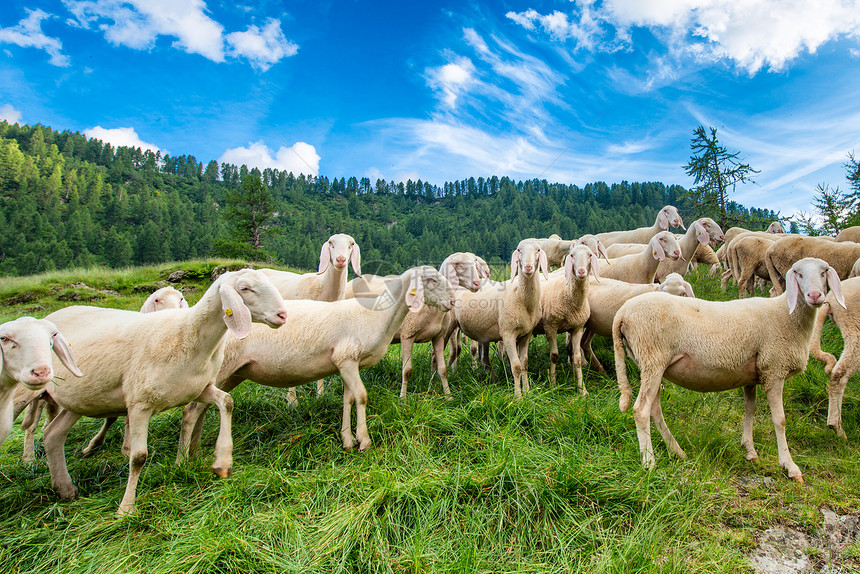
606 297
564 307
849 234
139 364
774 228
506 311
780 256
25 357
702 233
667 216
745 257
324 338
848 321
712 346
642 267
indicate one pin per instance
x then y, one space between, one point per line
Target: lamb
780 256
717 346
26 344
642 267
564 307
667 216
139 364
840 371
325 338
606 297
506 311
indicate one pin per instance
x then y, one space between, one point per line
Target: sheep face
428 286
669 216
579 262
663 245
674 284
164 298
527 257
338 250
712 231
807 281
463 269
593 243
775 227
249 296
26 345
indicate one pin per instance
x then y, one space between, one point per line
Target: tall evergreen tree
248 211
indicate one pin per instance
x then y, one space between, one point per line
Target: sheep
712 346
564 307
849 234
855 269
324 338
594 243
506 311
702 232
139 364
430 324
667 216
724 253
746 262
557 249
642 267
26 344
780 256
840 371
774 228
606 297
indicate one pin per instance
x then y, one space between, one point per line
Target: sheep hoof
125 511
449 398
222 472
798 478
624 403
67 492
364 446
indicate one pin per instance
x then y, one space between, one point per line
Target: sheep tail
620 364
815 344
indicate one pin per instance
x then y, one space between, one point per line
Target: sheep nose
341 261
815 295
42 373
281 317
528 269
476 284
581 273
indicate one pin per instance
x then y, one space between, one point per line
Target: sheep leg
775 277
523 350
320 387
439 354
54 439
847 365
552 339
99 438
649 391
192 422
593 362
576 339
32 414
509 343
223 465
291 397
138 427
454 353
724 280
773 388
660 423
354 390
749 419
406 353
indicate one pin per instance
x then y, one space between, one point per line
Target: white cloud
628 148
451 79
584 27
138 23
299 158
28 34
262 48
120 137
10 114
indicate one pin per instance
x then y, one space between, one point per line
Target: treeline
66 200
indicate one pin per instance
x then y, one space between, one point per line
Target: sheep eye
4 339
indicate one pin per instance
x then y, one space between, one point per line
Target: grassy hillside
482 483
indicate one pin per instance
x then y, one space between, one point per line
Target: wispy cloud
10 114
137 24
120 137
299 158
28 34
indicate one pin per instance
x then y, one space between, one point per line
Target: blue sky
570 91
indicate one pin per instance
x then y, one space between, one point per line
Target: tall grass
481 483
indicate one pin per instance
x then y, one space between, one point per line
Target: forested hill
69 201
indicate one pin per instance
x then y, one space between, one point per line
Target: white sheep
26 344
564 307
780 256
712 346
703 232
745 258
594 243
848 321
849 234
325 338
642 267
666 217
139 364
506 311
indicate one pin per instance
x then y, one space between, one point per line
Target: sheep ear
664 220
183 304
515 262
355 259
835 285
450 274
595 267
681 222
688 290
415 293
602 249
325 257
237 316
568 268
657 249
64 352
792 289
148 305
483 268
544 264
701 233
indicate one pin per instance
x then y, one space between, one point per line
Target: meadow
481 483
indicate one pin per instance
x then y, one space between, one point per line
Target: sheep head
808 280
26 344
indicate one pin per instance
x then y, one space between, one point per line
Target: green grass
482 483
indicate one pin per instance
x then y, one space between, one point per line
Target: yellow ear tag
413 291
228 312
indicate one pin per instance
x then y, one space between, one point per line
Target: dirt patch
790 551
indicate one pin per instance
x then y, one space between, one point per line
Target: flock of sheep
285 329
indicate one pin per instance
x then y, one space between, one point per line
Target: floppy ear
415 293
568 268
450 273
664 220
688 290
701 233
595 267
792 289
544 265
602 249
657 249
148 305
325 257
515 262
483 268
355 259
64 352
237 316
183 304
681 222
835 285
